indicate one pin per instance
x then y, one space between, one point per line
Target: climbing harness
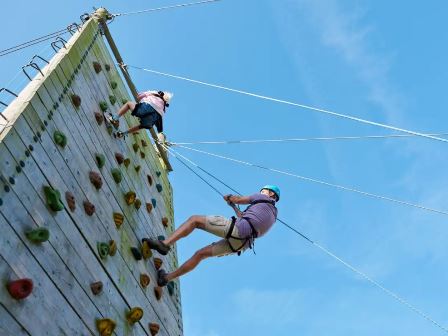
253 235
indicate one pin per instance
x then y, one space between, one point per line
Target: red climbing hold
96 287
20 289
76 100
97 67
154 328
119 157
148 207
99 118
70 198
89 208
95 179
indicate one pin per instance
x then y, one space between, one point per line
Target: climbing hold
107 67
130 197
146 250
53 198
161 237
20 289
116 174
119 157
136 253
142 154
96 287
158 292
89 208
165 221
39 235
103 249
123 101
135 147
100 160
99 118
112 247
95 179
70 198
113 85
148 207
112 100
127 162
134 315
97 67
76 100
60 138
149 179
103 106
109 129
1 202
137 168
159 187
137 203
170 287
21 163
154 328
158 263
106 326
144 143
154 202
158 173
118 219
7 189
144 280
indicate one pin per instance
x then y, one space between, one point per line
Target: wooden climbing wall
33 158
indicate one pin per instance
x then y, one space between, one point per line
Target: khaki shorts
219 226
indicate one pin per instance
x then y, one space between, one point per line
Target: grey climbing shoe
161 278
113 119
157 245
119 135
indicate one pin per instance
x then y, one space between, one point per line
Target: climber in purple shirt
238 233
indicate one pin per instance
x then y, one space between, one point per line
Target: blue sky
384 61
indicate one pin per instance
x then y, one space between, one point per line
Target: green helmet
274 189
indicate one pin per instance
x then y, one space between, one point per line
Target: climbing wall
75 203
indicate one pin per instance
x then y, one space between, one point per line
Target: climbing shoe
113 119
161 278
119 135
157 245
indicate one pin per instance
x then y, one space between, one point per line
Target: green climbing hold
116 174
135 147
112 99
100 160
53 198
60 138
136 253
103 106
113 85
158 173
103 250
154 202
137 168
39 235
159 187
107 66
170 287
124 101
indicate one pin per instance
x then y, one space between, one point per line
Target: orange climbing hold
96 287
99 118
165 221
130 197
158 292
149 207
70 198
154 328
112 248
118 219
134 315
106 326
144 280
20 289
158 263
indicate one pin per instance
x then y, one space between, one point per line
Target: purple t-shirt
261 215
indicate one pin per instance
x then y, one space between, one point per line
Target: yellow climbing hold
106 326
134 315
